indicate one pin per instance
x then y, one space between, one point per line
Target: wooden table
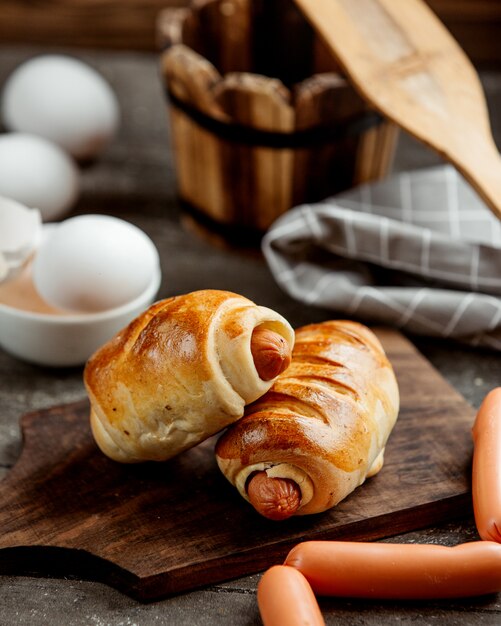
135 180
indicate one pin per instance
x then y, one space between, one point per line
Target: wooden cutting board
158 529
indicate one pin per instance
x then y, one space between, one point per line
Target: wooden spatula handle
481 166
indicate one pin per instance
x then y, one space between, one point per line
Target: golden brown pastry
181 371
322 428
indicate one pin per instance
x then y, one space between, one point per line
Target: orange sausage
285 598
486 477
271 353
404 571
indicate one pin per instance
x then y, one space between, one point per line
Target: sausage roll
182 371
320 430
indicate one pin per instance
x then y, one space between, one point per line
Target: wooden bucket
261 117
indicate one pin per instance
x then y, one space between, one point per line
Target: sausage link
285 599
275 498
271 353
486 474
398 571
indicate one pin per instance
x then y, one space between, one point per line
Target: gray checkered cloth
418 250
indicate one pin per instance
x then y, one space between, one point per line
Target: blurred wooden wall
130 24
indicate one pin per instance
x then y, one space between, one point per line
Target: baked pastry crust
325 421
177 374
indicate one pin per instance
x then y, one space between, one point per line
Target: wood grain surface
157 529
130 24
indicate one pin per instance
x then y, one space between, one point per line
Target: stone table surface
135 180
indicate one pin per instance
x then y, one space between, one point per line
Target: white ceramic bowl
66 340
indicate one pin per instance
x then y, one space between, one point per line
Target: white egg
93 263
38 174
64 100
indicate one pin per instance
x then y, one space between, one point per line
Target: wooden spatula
404 62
